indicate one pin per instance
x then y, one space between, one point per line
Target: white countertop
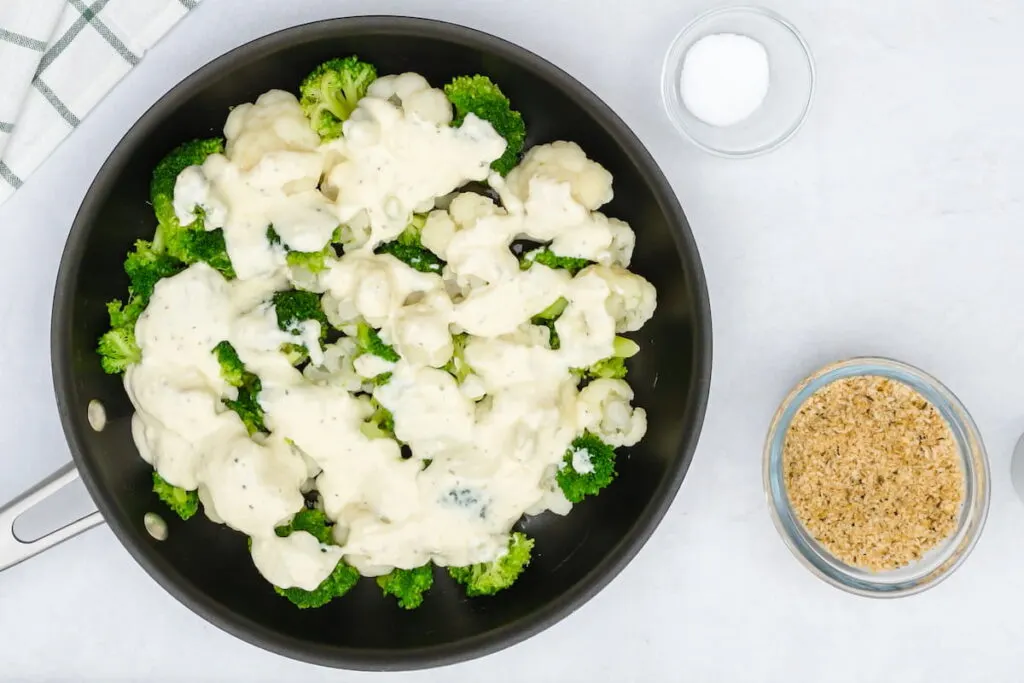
893 224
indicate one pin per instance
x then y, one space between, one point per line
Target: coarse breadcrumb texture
873 473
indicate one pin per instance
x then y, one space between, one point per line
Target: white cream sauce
397 158
295 561
369 366
483 452
581 461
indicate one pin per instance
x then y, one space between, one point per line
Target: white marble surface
892 224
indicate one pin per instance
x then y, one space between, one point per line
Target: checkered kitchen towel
58 58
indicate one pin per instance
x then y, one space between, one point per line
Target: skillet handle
13 549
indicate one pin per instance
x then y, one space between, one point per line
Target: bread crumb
873 472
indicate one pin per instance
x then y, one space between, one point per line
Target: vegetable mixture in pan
371 335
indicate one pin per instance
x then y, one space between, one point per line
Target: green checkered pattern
58 58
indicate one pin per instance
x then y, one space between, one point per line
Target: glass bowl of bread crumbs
876 477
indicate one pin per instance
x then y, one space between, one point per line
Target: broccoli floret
313 261
190 243
480 96
247 404
118 350
369 341
193 246
609 368
381 424
599 462
231 367
613 367
547 318
183 503
165 175
295 353
417 257
248 407
312 521
295 306
487 578
117 347
548 258
146 266
457 366
413 233
339 582
408 248
408 585
331 91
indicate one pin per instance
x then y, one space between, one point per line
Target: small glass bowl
939 562
790 91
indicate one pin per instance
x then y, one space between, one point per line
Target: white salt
725 78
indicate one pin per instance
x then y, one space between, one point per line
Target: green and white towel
58 58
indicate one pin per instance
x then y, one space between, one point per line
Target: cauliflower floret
478 252
274 123
603 240
554 498
429 105
586 327
341 317
254 487
458 288
176 447
501 364
473 387
288 172
623 243
603 408
337 367
632 299
301 277
469 207
529 334
356 232
437 232
373 286
415 96
420 331
500 307
192 189
295 561
387 160
563 162
370 366
429 409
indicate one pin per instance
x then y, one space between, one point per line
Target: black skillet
206 566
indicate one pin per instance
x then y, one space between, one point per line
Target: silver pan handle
13 549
